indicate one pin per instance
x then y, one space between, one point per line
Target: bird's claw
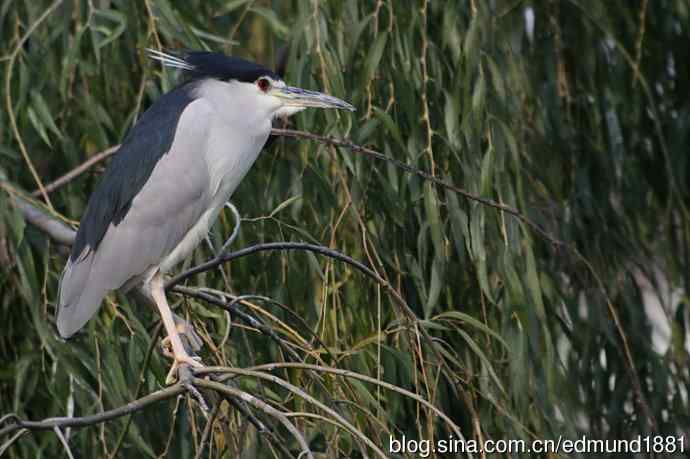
183 362
181 371
194 342
178 362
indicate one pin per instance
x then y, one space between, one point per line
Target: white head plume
169 60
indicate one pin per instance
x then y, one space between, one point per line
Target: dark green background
582 125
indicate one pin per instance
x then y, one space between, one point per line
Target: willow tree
524 227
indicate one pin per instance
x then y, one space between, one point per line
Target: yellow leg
180 355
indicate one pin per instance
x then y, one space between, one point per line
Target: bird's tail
77 301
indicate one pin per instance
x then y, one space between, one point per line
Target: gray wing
172 200
147 142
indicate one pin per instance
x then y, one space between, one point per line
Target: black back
146 143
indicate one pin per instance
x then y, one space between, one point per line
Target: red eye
263 84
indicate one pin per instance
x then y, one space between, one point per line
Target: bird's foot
181 370
178 362
190 339
182 357
186 330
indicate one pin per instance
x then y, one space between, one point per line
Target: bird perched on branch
165 186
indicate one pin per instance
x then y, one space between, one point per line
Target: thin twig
63 440
173 421
398 299
337 371
426 118
259 404
77 171
207 430
5 446
226 257
241 406
425 175
231 307
639 41
231 37
299 392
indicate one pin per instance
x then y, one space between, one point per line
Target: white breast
234 143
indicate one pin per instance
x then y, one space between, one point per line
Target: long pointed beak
302 98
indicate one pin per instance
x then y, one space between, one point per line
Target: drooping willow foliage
575 113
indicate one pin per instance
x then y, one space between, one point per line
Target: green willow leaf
116 18
485 360
371 63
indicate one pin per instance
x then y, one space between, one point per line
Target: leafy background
574 112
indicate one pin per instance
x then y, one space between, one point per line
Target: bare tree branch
14 423
225 257
302 394
16 427
63 440
259 404
5 446
207 430
231 307
55 229
337 371
77 171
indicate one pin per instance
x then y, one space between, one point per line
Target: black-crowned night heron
165 186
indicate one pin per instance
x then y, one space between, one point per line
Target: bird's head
249 82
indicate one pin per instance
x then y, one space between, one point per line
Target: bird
173 173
